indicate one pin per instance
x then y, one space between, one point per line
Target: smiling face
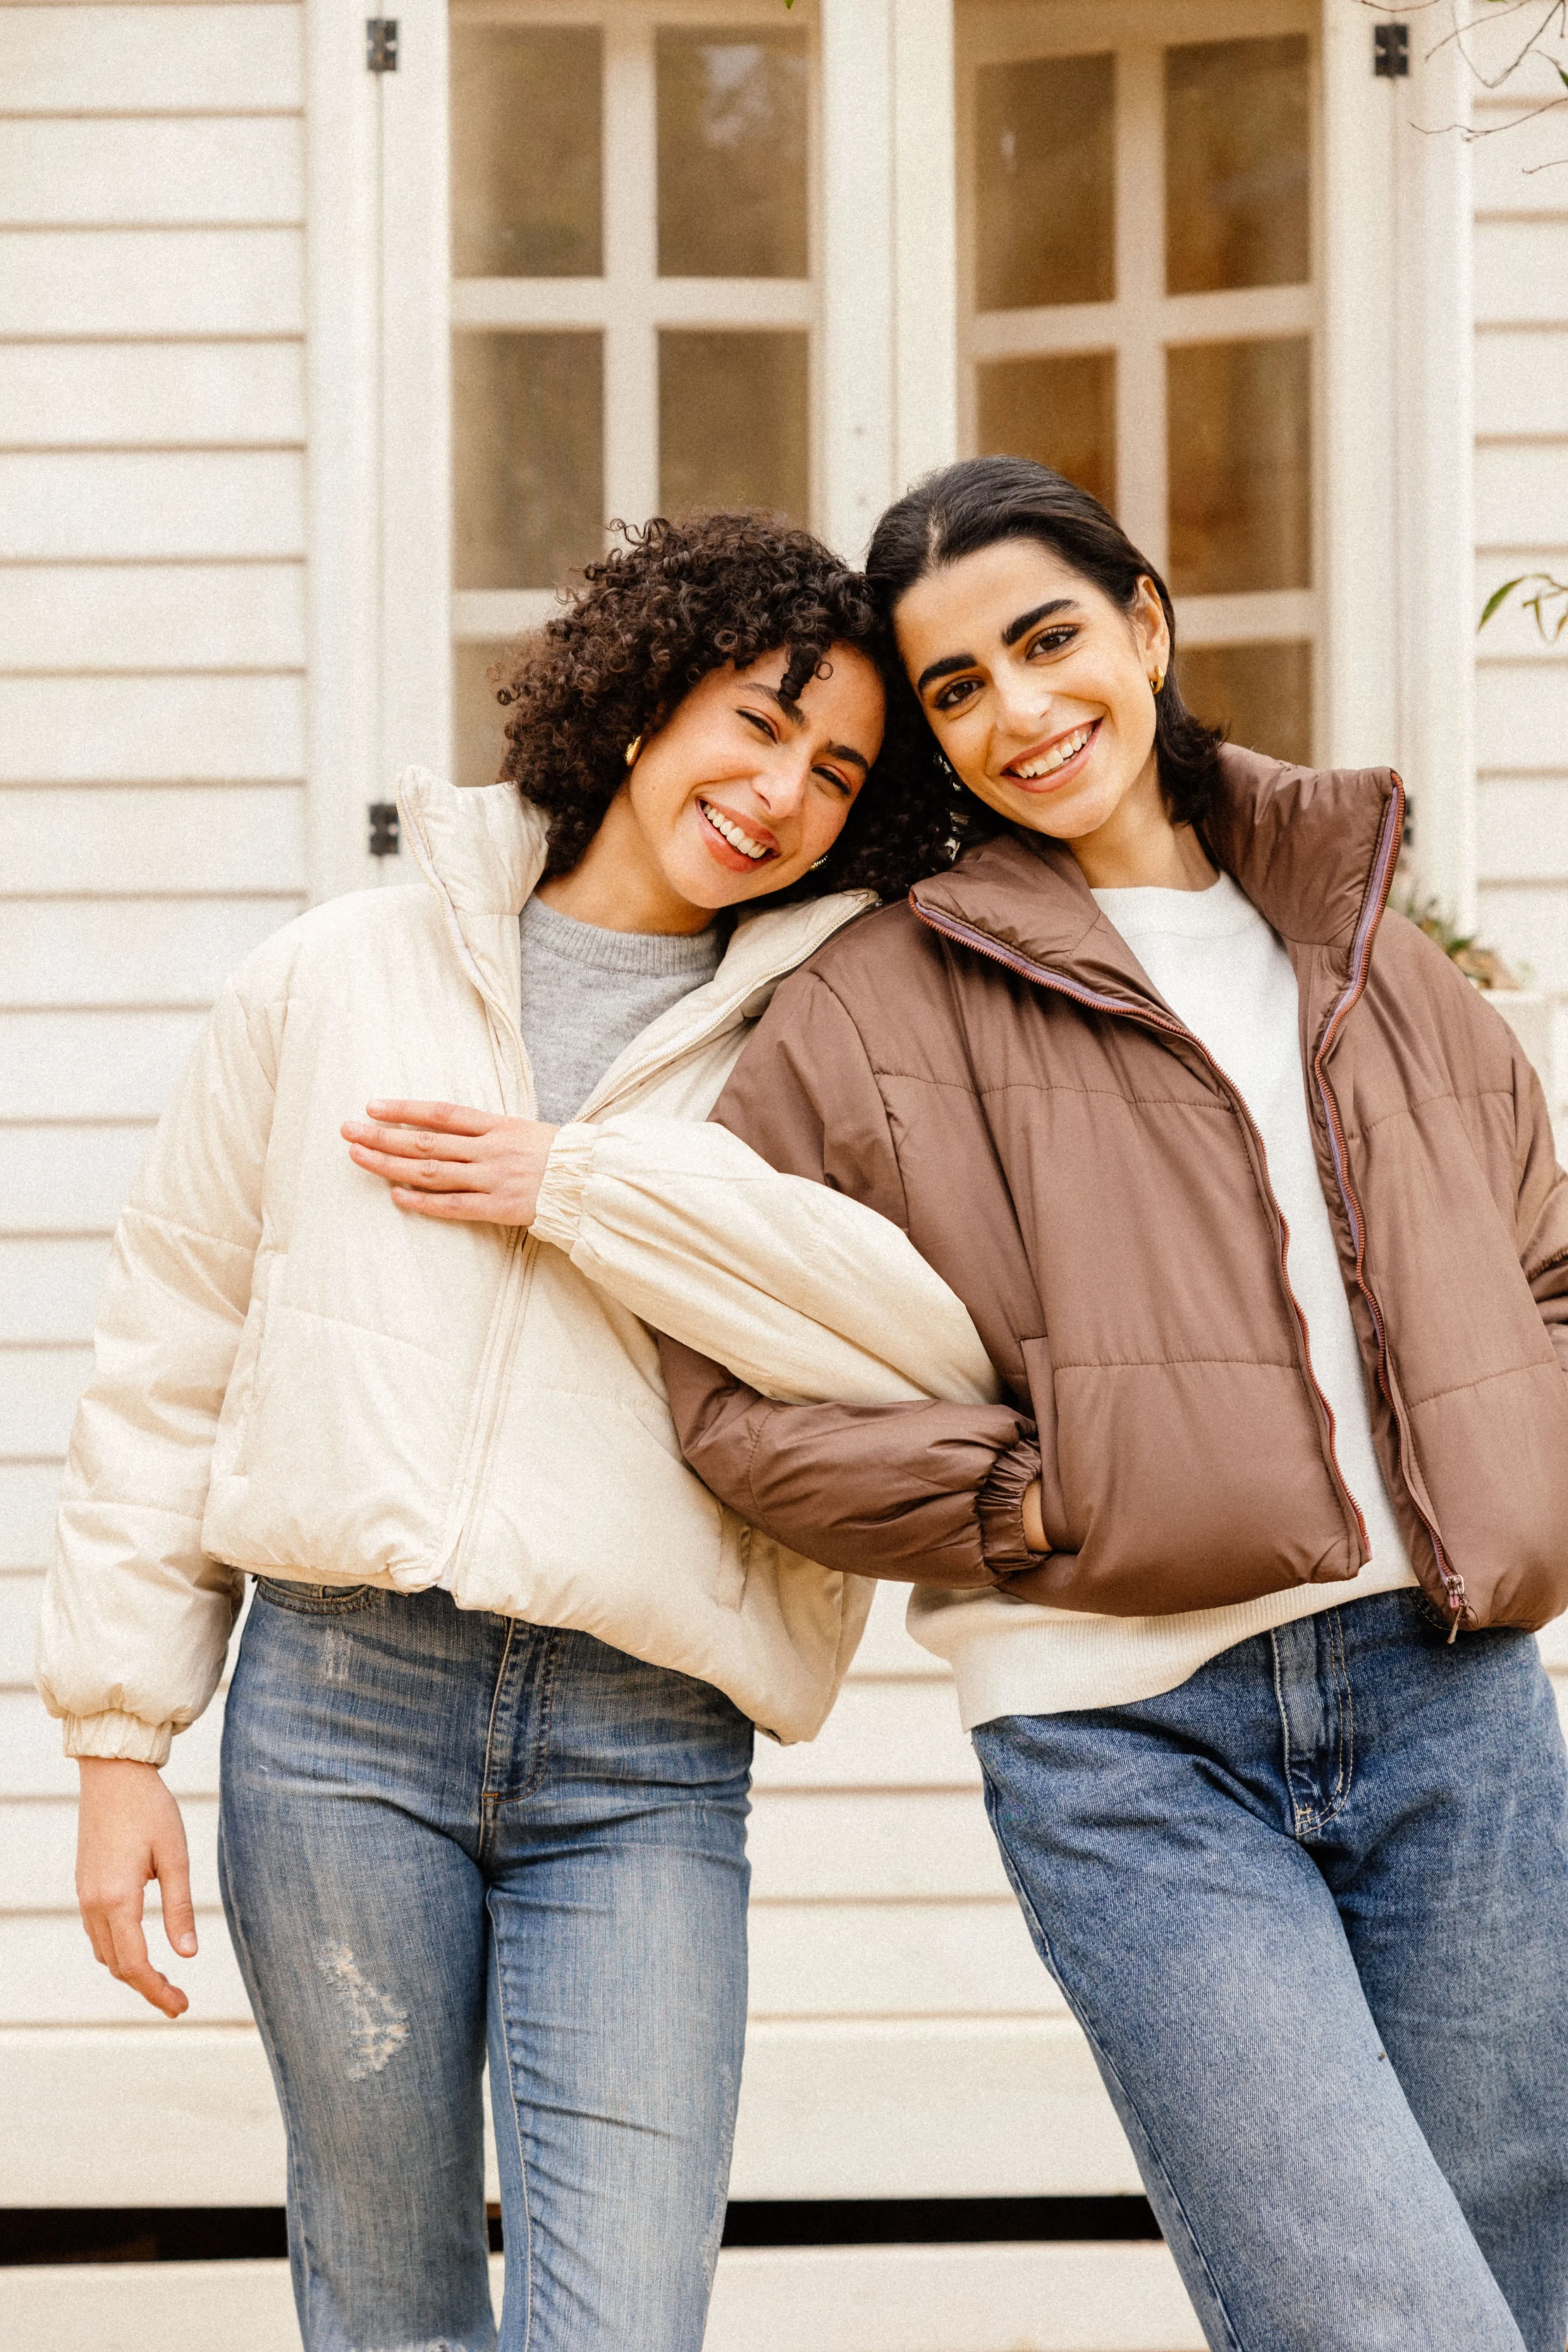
1038 687
737 795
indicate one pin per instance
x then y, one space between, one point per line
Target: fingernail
186 1944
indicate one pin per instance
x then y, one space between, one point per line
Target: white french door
633 245
1138 306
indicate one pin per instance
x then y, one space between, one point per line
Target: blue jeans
444 1831
1311 1911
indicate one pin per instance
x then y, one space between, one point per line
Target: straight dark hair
982 501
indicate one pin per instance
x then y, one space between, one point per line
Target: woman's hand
129 1830
471 1167
1034 1520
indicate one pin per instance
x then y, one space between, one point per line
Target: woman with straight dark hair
1254 1201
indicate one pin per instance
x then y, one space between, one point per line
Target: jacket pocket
314 1600
1061 1535
239 1397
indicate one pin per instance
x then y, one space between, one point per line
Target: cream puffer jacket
295 1378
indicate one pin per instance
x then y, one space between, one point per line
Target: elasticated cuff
124 1737
559 1216
1000 1506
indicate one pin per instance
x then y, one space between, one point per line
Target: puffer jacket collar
1313 849
481 848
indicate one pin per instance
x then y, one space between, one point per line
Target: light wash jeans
1311 1911
443 1830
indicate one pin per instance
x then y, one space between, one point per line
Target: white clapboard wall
1521 525
151 767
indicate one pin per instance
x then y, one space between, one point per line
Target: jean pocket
314 1600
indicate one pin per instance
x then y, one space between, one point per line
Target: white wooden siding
1007 2298
1521 525
67 394
152 773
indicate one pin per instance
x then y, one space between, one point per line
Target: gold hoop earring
633 748
1157 679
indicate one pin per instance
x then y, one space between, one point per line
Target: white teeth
1057 757
732 832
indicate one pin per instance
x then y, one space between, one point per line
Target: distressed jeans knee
441 1830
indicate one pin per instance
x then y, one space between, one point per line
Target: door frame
1397 673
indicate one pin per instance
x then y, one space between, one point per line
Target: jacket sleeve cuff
124 1737
1000 1506
558 1217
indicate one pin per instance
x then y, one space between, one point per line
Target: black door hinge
380 45
1390 51
384 835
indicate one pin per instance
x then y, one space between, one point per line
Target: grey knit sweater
587 993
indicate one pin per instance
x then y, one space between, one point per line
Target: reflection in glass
1261 695
733 422
1045 195
732 153
526 140
527 462
1237 155
1239 437
478 721
1059 411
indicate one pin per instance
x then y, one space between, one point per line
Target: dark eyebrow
944 668
796 717
1025 621
1010 636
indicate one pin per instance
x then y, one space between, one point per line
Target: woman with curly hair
488 1742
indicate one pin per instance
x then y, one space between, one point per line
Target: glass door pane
1261 695
527 138
1060 411
528 458
732 421
1239 426
732 153
1238 149
1046 183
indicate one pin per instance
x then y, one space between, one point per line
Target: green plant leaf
1497 596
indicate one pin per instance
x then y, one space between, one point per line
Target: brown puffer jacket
990 1067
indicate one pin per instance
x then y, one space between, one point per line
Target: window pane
733 422
525 152
731 154
479 722
1045 195
1236 116
1239 437
1261 695
528 464
1061 411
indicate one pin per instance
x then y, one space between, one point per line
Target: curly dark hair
980 502
659 613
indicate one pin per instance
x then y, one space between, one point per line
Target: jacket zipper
1027 968
1378 886
597 1105
506 1321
